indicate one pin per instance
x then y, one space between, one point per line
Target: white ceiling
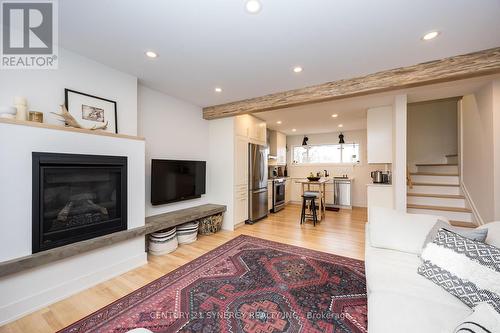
208 43
317 118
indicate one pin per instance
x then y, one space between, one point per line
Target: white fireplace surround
27 291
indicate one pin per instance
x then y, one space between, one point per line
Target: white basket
187 233
163 242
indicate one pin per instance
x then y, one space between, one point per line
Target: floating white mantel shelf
68 129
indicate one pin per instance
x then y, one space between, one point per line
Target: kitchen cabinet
329 198
270 195
288 190
379 195
277 147
241 161
250 127
240 204
379 134
296 195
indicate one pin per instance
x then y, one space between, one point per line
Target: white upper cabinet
281 148
277 147
242 125
379 134
251 127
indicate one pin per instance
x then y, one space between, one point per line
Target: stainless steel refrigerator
257 182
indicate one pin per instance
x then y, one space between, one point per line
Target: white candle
22 112
20 100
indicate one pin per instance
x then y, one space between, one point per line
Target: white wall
173 130
432 131
44 89
360 172
399 162
481 149
28 290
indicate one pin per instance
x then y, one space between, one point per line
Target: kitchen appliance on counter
381 177
278 194
257 183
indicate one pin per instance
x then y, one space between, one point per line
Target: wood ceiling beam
460 67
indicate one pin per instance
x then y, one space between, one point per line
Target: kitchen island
317 186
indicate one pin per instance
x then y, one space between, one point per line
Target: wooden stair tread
433 174
444 196
447 209
437 164
462 224
434 184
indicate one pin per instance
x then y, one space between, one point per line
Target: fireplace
77 197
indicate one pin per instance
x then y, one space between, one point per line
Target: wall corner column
399 152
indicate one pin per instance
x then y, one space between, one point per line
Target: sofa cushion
394 312
393 271
493 233
477 234
403 232
467 269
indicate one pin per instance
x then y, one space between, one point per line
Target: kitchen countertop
271 179
379 184
329 179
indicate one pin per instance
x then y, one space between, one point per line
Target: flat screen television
173 180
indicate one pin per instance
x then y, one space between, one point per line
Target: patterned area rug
246 285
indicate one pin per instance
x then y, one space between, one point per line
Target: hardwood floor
340 233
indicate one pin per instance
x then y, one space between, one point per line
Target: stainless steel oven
278 194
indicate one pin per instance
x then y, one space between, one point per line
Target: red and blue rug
246 285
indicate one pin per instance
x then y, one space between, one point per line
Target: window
330 154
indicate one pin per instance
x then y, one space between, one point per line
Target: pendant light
341 138
304 142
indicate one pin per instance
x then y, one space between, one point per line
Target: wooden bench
153 223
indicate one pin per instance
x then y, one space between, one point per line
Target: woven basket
210 225
163 242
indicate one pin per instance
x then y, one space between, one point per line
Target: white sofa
399 299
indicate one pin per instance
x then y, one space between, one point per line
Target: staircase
435 189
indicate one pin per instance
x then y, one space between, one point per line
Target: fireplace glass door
77 197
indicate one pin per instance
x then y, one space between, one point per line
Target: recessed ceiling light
298 69
340 125
335 115
294 130
253 6
430 35
218 89
151 54
278 122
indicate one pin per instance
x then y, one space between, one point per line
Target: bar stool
309 200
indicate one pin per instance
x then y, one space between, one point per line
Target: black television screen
173 181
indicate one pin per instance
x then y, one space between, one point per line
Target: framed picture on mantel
91 110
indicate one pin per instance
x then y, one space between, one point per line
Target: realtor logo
29 35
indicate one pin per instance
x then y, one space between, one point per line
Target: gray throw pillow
474 234
467 269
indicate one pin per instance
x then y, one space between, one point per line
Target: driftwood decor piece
72 122
460 67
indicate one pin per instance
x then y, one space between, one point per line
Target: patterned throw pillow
471 233
467 269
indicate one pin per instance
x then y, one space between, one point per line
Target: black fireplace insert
77 197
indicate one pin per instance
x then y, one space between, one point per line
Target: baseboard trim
238 225
23 307
475 212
